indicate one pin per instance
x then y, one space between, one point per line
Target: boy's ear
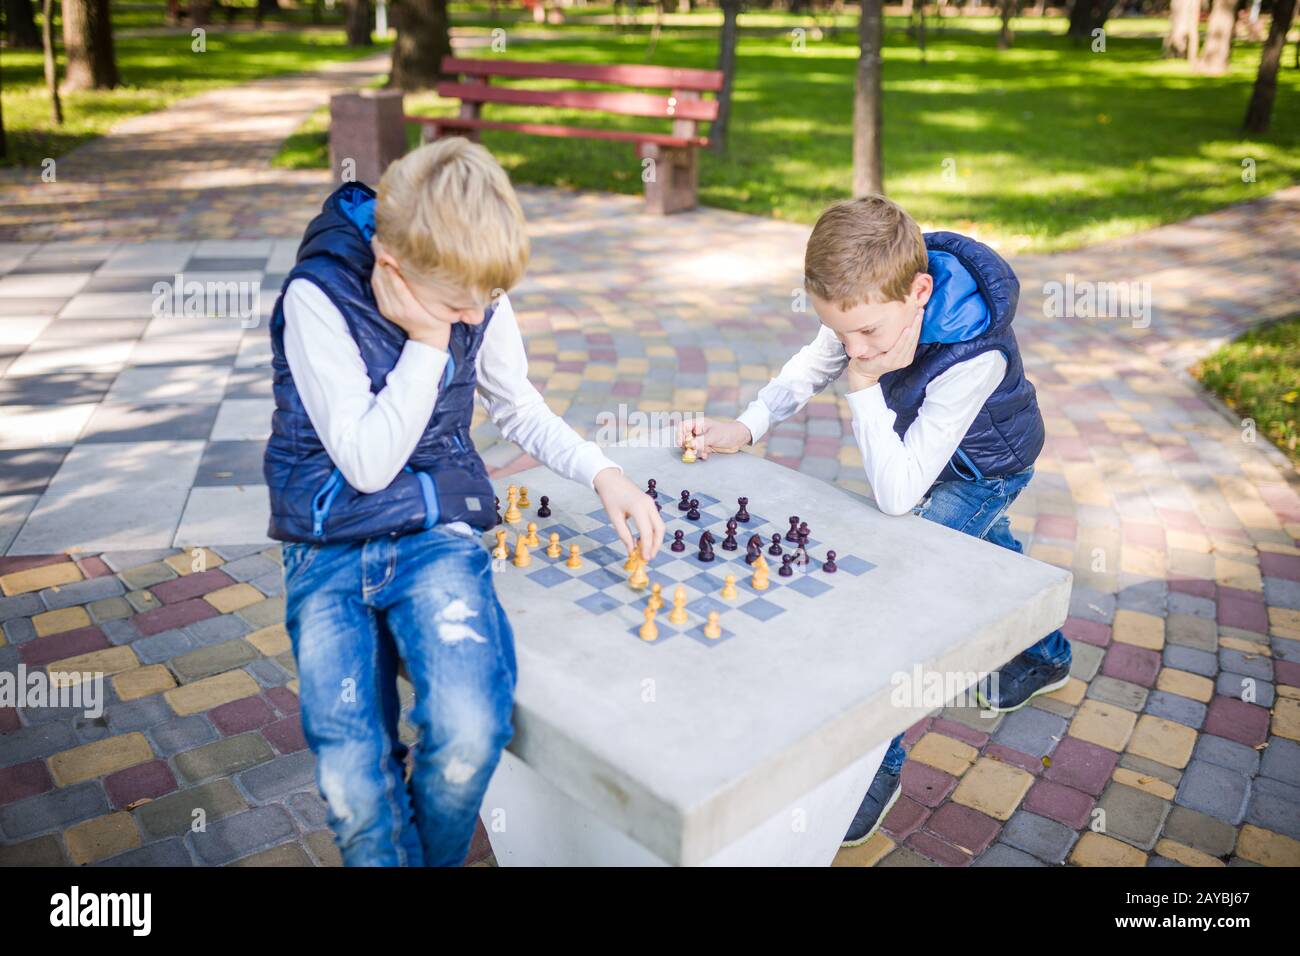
922 287
382 256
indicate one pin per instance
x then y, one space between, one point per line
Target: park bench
672 175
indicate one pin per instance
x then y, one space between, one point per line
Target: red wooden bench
671 178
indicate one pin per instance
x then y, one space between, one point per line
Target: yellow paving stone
271 640
37 579
211 692
229 599
944 753
1052 554
293 685
868 854
1284 622
1187 541
1072 693
1237 574
1286 718
1143 781
600 373
1148 562
99 758
1249 647
1097 849
190 562
850 456
1185 684
1163 741
1185 855
1286 690
1266 847
101 837
143 681
1139 629
1103 724
1277 548
64 619
633 366
109 661
993 788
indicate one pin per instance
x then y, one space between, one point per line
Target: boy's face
445 302
870 328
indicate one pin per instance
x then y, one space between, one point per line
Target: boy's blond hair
864 250
447 212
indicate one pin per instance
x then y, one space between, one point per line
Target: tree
423 39
357 23
88 39
868 177
1218 38
1009 8
4 145
1087 16
727 66
1260 111
51 62
20 25
1184 30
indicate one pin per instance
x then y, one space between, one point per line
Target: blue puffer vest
970 312
444 480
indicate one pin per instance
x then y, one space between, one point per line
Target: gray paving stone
1286 649
244 833
1248 665
54 810
1133 815
1236 684
1190 631
1031 730
120 560
217 630
999 854
109 609
163 646
1046 839
147 575
309 808
217 659
1161 861
82 592
20 605
1092 605
224 757
1275 806
1085 660
1191 659
141 714
1238 861
1280 592
38 740
19 630
142 600
268 673
249 567
1191 605
181 733
49 715
1151 768
1121 693
90 729
1201 832
41 851
1181 710
171 853
235 552
1147 596
279 777
1281 760
270 584
1213 790
120 631
174 814
264 613
907 857
1227 753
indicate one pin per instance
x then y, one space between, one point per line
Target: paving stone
1153 769
1201 832
42 851
1096 849
1103 724
1191 659
210 692
164 853
22 605
1133 815
1213 790
162 646
250 567
1031 731
1237 720
120 561
1262 847
1085 661
270 584
143 682
1197 633
1281 761
215 630
97 759
1082 765
110 609
81 592
130 715
1249 690
1185 684
943 753
1055 801
279 777
101 837
38 579
207 661
172 736
1044 838
264 613
1178 709
56 622
1163 741
1275 806
243 833
189 586
322 847
268 673
286 854
312 812
35 742
177 813
19 630
1121 693
173 615
147 576
223 757
146 781
57 808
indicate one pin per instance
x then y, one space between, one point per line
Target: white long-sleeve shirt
902 470
369 436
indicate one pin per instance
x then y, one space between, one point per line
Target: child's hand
400 307
708 435
863 373
624 500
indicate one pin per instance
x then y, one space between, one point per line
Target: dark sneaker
1019 682
883 793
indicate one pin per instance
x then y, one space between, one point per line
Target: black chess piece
743 514
753 549
776 544
804 529
694 513
803 542
793 533
830 567
785 570
678 544
544 509
497 505
706 547
658 506
685 503
651 488
729 542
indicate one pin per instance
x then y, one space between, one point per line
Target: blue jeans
979 508
352 610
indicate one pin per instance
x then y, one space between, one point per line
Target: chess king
391 320
946 421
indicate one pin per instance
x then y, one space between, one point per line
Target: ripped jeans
352 610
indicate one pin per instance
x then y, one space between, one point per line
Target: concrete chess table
755 748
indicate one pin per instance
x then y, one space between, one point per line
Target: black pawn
786 570
804 531
544 509
793 533
729 542
776 544
829 567
678 544
685 503
651 489
694 513
497 505
742 515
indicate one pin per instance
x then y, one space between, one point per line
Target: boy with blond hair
947 423
393 317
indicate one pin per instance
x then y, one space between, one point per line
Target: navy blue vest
1007 434
444 480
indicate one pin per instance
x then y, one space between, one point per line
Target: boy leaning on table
948 425
385 331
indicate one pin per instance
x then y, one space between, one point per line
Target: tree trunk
1184 29
51 62
20 25
1088 15
357 23
4 145
727 64
1009 8
867 165
88 39
1260 111
1218 38
423 39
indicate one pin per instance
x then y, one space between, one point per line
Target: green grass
1050 146
1258 376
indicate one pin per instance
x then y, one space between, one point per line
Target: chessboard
599 586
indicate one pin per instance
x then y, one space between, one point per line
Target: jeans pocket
297 559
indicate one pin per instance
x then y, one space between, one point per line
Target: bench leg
366 134
671 181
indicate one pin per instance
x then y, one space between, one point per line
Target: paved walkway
130 485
